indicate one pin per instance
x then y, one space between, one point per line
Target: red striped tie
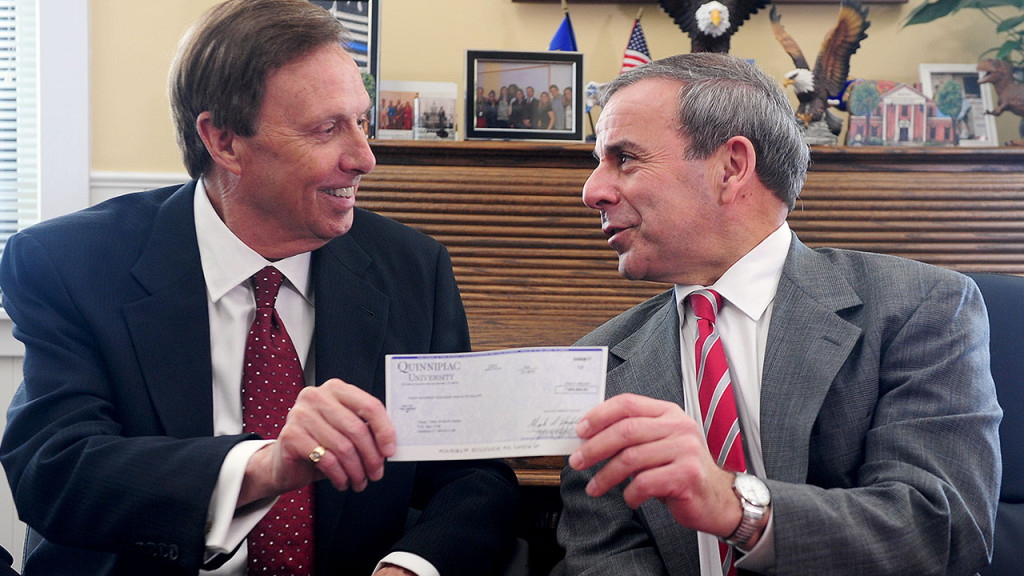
717 403
282 541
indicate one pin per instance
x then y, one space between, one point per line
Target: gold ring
317 454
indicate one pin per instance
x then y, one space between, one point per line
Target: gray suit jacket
878 426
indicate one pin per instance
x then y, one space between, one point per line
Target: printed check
498 404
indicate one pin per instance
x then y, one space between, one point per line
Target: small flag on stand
564 39
636 49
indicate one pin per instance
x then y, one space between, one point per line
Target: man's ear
737 162
221 143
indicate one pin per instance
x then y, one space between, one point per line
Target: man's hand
351 424
662 452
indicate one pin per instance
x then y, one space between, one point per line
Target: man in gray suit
861 382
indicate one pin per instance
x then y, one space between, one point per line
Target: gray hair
722 96
223 62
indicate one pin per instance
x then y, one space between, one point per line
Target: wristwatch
754 498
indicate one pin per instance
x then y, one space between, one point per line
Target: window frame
64 106
64 120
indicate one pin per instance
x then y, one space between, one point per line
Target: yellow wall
424 40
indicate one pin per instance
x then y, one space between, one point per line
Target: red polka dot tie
717 403
282 542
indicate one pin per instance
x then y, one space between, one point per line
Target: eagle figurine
711 23
818 89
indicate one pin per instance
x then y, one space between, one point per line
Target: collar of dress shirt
227 261
750 284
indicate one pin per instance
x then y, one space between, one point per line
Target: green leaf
990 3
932 10
1010 23
1005 50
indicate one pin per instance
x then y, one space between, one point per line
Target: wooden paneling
534 268
532 264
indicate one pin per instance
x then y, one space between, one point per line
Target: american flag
636 51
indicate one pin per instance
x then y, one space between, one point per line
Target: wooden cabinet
534 268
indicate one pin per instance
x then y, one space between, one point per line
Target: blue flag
564 38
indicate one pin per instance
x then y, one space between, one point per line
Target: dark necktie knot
266 284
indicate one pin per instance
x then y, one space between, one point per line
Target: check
497 404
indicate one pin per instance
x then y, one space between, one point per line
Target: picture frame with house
946 109
889 113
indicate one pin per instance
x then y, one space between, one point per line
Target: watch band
748 527
754 500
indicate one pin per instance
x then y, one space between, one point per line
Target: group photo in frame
524 95
972 125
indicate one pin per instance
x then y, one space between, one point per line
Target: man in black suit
125 447
529 109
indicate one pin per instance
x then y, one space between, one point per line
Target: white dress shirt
227 266
749 288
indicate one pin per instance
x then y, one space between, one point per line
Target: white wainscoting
12 530
103 185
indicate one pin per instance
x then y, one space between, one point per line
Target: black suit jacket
109 447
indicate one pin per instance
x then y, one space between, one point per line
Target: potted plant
1000 65
1008 16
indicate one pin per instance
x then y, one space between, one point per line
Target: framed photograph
972 127
417 110
435 118
524 95
362 20
396 112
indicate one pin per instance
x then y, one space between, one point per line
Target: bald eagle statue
818 89
711 23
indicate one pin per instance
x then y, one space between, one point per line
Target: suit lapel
351 315
176 369
805 325
650 357
351 321
650 366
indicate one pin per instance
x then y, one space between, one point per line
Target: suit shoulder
375 232
888 286
628 322
882 269
115 220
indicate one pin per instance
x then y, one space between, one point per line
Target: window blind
19 117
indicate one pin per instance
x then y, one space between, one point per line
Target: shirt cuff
411 562
761 557
226 525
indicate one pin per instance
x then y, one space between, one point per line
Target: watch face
753 489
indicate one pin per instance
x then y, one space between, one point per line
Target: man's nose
598 191
358 157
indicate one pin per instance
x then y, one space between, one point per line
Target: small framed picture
957 94
524 95
417 110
